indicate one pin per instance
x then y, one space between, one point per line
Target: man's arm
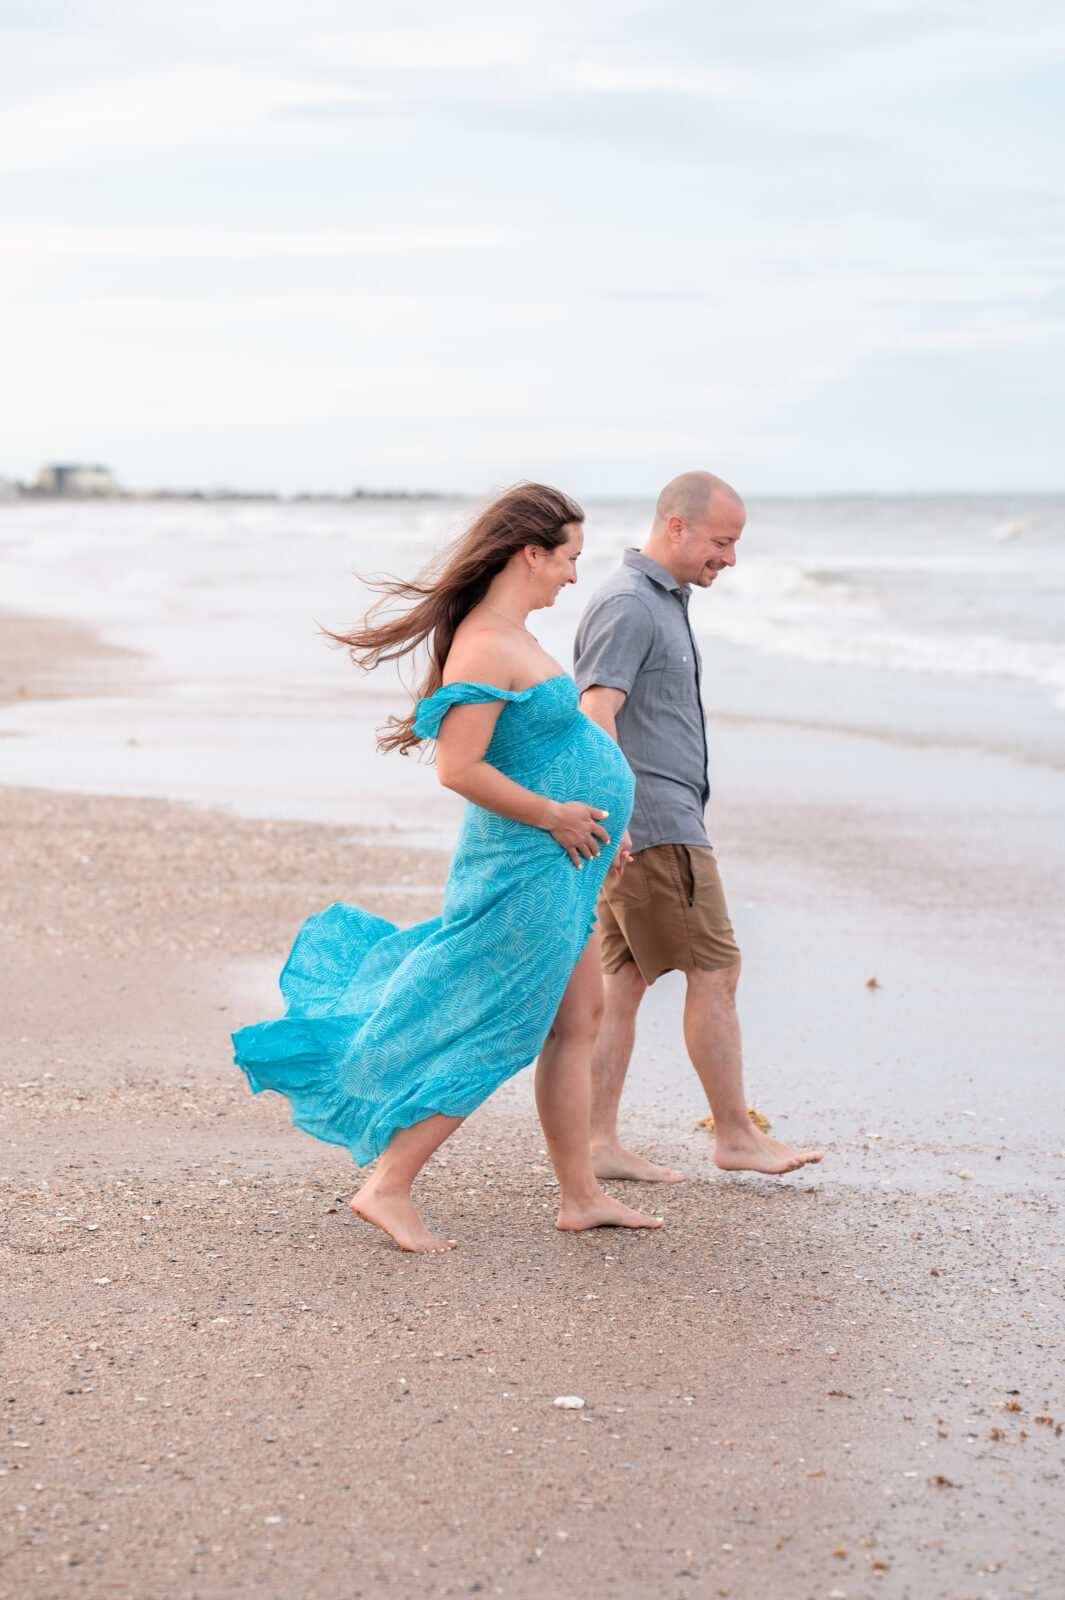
602 705
613 641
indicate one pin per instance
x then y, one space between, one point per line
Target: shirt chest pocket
678 675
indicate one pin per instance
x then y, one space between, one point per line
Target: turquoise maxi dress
384 1026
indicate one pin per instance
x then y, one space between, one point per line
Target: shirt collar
665 580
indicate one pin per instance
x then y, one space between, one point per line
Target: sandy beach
220 1384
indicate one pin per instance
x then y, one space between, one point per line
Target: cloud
232 244
445 231
76 127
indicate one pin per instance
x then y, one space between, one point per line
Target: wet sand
45 659
220 1384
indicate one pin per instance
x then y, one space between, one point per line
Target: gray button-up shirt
635 636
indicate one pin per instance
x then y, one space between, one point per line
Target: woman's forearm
490 789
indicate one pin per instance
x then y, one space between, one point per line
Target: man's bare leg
712 1034
623 992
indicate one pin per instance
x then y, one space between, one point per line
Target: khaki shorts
668 911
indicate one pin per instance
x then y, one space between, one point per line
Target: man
639 672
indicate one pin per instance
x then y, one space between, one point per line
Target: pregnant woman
391 1037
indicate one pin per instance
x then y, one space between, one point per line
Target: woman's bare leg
384 1198
564 1098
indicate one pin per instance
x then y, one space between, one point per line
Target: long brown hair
449 587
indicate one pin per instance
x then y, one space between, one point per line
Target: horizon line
27 492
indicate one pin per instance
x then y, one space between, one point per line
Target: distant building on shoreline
76 481
66 480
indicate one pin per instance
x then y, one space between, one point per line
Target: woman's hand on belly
576 827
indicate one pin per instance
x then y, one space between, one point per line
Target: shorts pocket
685 873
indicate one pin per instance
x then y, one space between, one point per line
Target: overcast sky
334 242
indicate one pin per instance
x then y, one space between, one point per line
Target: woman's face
555 568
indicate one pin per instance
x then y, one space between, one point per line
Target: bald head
698 519
689 497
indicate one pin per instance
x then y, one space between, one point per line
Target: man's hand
624 854
577 829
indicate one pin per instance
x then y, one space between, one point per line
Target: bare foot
396 1216
600 1211
749 1150
614 1161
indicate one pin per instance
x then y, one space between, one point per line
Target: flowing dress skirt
384 1026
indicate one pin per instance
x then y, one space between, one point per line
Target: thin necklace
503 614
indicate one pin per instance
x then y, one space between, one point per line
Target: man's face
706 548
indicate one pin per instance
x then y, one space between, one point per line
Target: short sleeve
613 641
431 711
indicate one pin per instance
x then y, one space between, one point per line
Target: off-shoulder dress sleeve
431 711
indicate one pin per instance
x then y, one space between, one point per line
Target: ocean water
930 620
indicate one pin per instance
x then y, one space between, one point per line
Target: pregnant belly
607 765
494 854
590 768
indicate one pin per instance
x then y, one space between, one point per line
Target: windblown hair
449 587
